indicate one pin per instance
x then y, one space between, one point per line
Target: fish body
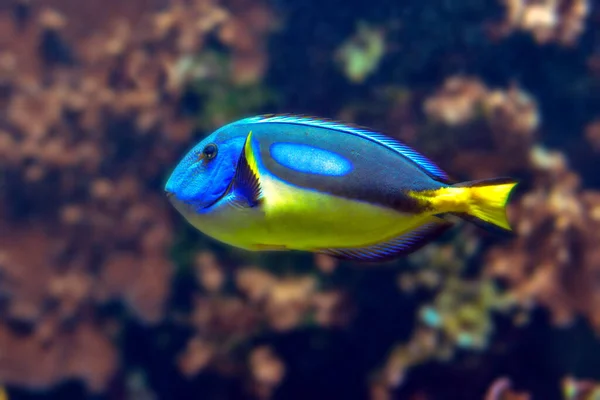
283 182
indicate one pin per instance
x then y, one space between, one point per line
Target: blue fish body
283 182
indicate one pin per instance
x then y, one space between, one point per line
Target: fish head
204 174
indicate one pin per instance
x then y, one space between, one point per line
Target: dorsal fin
431 168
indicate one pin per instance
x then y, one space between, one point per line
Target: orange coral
497 127
267 371
261 299
554 258
45 357
93 124
456 102
561 21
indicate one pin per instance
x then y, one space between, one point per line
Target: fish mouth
171 197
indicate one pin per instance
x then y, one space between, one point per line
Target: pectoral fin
246 182
398 246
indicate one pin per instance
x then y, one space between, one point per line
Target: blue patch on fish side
309 159
391 143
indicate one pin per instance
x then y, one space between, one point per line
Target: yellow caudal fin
487 203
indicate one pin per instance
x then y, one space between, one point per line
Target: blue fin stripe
420 160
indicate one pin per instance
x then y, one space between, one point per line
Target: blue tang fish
285 182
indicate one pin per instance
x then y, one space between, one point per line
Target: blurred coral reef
560 21
102 284
89 127
572 389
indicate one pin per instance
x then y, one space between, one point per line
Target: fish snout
169 194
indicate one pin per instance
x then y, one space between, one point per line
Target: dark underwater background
107 293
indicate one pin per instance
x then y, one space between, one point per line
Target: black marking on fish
246 183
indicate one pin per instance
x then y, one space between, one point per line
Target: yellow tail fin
487 202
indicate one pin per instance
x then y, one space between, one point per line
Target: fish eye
209 152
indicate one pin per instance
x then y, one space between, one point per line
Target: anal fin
246 182
394 248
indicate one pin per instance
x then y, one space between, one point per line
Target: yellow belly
299 219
